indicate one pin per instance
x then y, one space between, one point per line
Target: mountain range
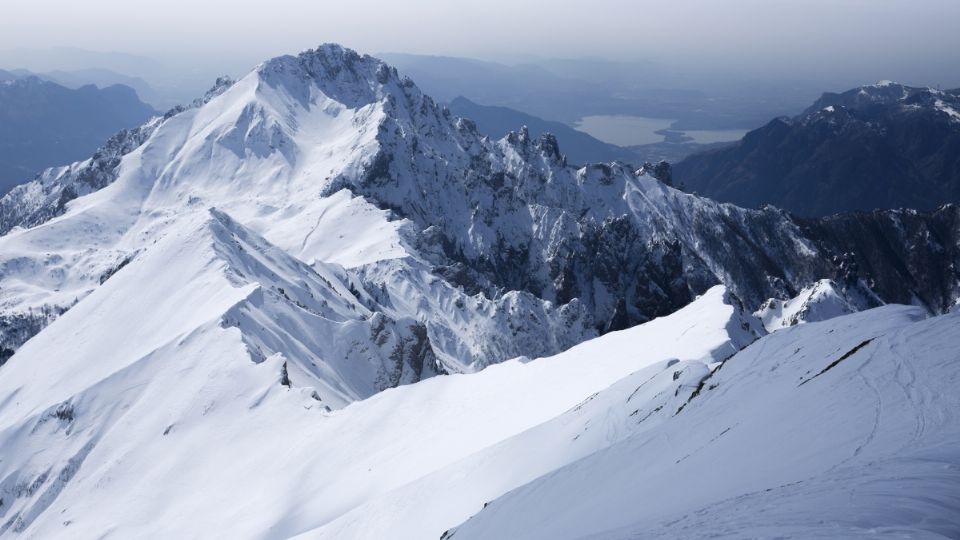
579 147
880 146
584 249
496 122
43 124
567 90
101 78
319 289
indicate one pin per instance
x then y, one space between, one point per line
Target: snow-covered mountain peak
340 73
820 301
885 97
335 159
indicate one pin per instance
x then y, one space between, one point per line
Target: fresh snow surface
847 428
950 111
184 436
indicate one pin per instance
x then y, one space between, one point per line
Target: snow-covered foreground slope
186 435
843 429
835 429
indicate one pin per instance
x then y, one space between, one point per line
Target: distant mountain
100 78
104 78
161 84
43 124
567 90
579 147
880 146
71 58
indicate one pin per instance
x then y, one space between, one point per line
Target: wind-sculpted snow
157 404
236 307
828 429
209 269
841 429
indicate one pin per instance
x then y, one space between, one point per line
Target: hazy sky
801 35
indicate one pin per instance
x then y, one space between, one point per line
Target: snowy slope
189 421
213 270
46 197
163 446
841 429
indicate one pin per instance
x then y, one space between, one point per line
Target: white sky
763 34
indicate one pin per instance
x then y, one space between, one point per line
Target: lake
635 130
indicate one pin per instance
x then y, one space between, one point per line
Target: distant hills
880 146
579 147
567 90
44 124
162 84
103 78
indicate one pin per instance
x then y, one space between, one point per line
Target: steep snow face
251 286
841 429
209 270
604 439
194 398
821 301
